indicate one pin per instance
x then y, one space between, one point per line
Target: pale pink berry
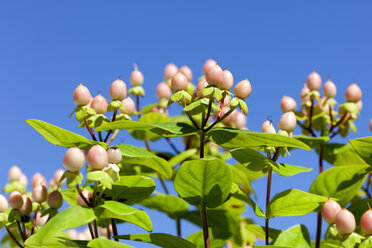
26 208
226 100
114 155
239 120
359 105
3 204
103 230
321 105
243 89
136 78
304 94
38 179
227 82
15 200
179 82
214 75
39 193
267 127
366 222
229 119
128 106
208 64
330 210
40 221
97 157
87 195
353 93
14 173
370 125
201 85
163 90
185 70
73 234
118 90
345 221
57 176
329 89
74 159
314 81
288 104
55 199
23 180
99 104
288 122
81 95
170 71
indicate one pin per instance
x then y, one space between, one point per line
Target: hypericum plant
103 180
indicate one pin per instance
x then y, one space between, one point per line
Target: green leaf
174 206
204 181
366 243
176 96
160 239
341 182
179 158
73 178
358 208
240 177
71 217
53 242
288 170
104 243
139 156
294 202
313 142
100 176
196 107
61 137
149 118
121 211
295 236
131 189
235 138
198 239
363 146
341 154
237 193
80 113
12 186
260 231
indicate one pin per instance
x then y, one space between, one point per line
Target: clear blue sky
48 47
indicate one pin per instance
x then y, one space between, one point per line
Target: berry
329 89
55 199
14 173
170 71
136 78
359 105
99 104
214 75
128 106
97 157
87 195
163 90
345 221
201 85
40 221
227 82
243 89
39 193
179 82
330 210
23 180
57 176
185 70
303 95
26 208
370 125
73 234
208 64
314 81
3 204
81 95
118 90
353 93
15 200
239 120
74 159
114 155
38 179
288 104
366 222
288 122
267 127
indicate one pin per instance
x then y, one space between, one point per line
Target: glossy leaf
341 182
104 243
363 146
121 211
204 181
260 231
313 142
293 202
160 239
341 154
198 239
149 118
100 176
70 196
295 236
237 193
54 242
169 204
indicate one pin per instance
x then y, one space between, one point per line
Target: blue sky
47 48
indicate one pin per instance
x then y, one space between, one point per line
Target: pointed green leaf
100 176
160 239
237 193
341 154
313 142
172 205
295 236
54 242
104 243
149 118
363 146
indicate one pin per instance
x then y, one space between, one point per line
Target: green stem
13 238
204 219
220 119
319 217
178 224
20 231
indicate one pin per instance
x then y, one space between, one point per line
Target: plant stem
201 147
108 232
208 112
172 145
89 129
178 224
307 129
220 119
268 191
91 230
113 136
81 195
204 219
112 120
319 217
20 231
13 238
311 113
114 228
95 228
138 106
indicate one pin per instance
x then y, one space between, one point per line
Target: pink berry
345 221
201 85
287 122
267 127
128 106
136 78
353 93
114 155
366 222
73 234
81 95
239 120
243 89
208 64
329 89
314 81
23 180
3 204
370 125
170 71
288 104
57 176
97 157
179 82
99 104
39 193
163 90
40 221
227 82
14 173
55 199
229 119
185 70
38 179
15 200
214 75
26 208
304 94
330 210
87 195
74 159
359 105
118 90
